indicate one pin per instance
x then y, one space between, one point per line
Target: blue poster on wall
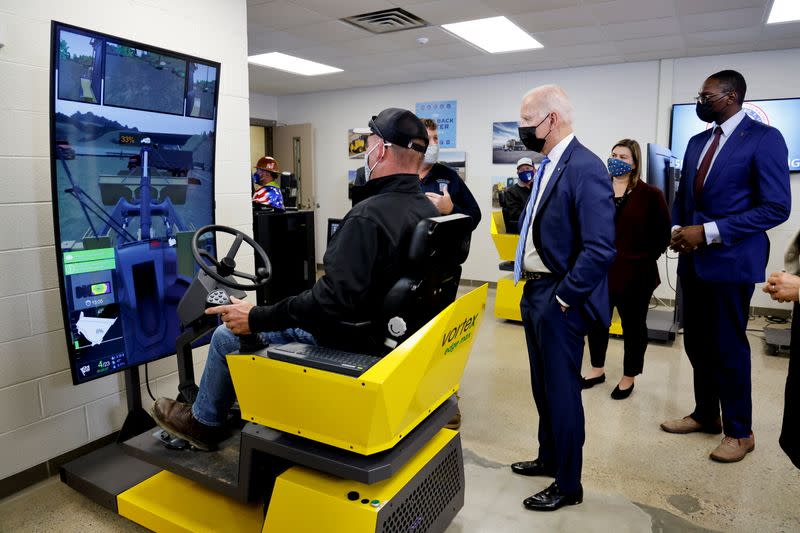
444 113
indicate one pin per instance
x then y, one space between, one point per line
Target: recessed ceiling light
495 34
291 64
784 11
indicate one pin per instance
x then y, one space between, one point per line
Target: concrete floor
636 477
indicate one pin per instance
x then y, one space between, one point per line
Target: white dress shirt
531 261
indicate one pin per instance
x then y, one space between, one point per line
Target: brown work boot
732 450
455 422
687 424
177 419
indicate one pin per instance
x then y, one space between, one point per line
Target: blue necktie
526 223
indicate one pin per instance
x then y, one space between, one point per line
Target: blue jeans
216 393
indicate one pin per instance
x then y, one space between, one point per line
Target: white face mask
367 169
431 154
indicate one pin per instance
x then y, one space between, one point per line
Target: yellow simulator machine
319 450
506 303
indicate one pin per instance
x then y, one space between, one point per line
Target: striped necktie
526 223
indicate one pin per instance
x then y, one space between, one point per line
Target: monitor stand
108 471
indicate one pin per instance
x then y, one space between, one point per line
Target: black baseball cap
399 127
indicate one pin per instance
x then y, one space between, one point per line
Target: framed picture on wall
356 144
507 149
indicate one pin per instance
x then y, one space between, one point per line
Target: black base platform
247 463
105 473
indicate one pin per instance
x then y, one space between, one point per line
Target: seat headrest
441 241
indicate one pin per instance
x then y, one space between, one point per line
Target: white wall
611 102
263 106
603 111
41 414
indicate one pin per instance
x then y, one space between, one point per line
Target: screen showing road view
133 178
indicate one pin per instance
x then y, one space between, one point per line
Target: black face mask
706 113
527 135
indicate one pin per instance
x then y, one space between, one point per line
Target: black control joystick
248 343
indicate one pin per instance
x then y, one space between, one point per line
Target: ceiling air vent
386 21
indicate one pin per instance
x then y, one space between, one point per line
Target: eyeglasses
705 98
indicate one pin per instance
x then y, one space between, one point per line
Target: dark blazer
642 235
746 193
573 230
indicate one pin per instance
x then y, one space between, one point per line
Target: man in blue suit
734 187
566 246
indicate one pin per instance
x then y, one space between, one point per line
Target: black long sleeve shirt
365 258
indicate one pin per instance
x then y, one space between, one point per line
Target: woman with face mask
642 234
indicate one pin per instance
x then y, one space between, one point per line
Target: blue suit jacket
746 193
573 230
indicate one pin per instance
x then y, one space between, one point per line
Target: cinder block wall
42 415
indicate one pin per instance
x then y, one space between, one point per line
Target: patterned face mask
618 167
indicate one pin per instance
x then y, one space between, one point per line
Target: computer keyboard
347 363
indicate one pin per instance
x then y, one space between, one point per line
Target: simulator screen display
141 79
783 114
132 180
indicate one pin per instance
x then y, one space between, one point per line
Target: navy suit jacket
573 230
746 193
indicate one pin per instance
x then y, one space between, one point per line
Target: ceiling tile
280 14
330 31
786 30
447 11
668 42
630 11
643 28
654 55
555 19
570 36
511 7
718 38
452 51
343 8
584 50
719 50
779 44
727 20
261 40
691 7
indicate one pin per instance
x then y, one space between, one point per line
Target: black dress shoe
591 382
620 394
552 498
532 468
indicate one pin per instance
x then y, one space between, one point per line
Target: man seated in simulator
364 259
266 189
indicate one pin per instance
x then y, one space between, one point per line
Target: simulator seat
323 451
506 304
438 248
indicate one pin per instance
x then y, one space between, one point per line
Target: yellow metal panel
371 413
506 243
172 504
507 298
307 501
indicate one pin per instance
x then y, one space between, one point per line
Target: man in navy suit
734 187
566 246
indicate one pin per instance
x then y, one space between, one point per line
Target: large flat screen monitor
783 114
132 137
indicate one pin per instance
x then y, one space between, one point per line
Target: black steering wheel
223 270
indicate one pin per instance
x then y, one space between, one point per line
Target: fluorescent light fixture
784 11
291 64
495 34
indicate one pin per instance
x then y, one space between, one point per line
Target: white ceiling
573 32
